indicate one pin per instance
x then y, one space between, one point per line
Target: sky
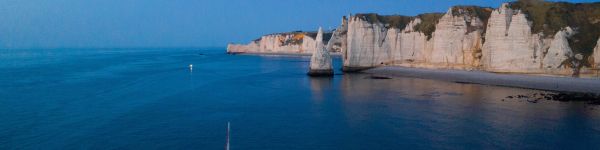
26 24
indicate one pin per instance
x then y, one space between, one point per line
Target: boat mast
227 144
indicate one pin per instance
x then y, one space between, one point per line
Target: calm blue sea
150 99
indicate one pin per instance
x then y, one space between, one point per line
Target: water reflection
318 86
445 112
271 103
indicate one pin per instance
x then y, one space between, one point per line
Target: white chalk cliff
456 43
371 44
511 47
337 43
291 42
365 43
465 37
462 40
596 55
320 61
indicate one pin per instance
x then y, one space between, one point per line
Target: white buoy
191 67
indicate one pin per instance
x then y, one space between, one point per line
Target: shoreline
549 83
278 53
530 81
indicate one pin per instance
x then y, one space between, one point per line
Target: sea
150 98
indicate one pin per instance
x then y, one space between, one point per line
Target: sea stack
320 62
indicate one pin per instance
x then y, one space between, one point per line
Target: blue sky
183 23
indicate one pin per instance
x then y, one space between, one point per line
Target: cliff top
428 20
483 13
391 21
298 34
472 10
427 25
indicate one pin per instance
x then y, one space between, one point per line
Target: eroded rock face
371 44
558 52
337 43
365 43
410 46
292 42
596 55
498 41
456 43
509 44
320 62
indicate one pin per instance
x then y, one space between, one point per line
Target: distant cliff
289 42
525 36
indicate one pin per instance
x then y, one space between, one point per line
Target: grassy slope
550 17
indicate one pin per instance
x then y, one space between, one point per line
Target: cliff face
596 55
410 46
292 42
455 42
337 43
470 37
366 44
510 46
524 36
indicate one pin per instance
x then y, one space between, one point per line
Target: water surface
150 99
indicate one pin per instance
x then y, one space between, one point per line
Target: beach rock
589 98
320 62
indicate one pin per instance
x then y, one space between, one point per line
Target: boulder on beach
320 62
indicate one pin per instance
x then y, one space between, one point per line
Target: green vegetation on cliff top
550 17
391 21
483 13
429 20
427 25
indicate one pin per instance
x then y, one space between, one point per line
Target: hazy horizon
182 23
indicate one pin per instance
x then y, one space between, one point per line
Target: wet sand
551 83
